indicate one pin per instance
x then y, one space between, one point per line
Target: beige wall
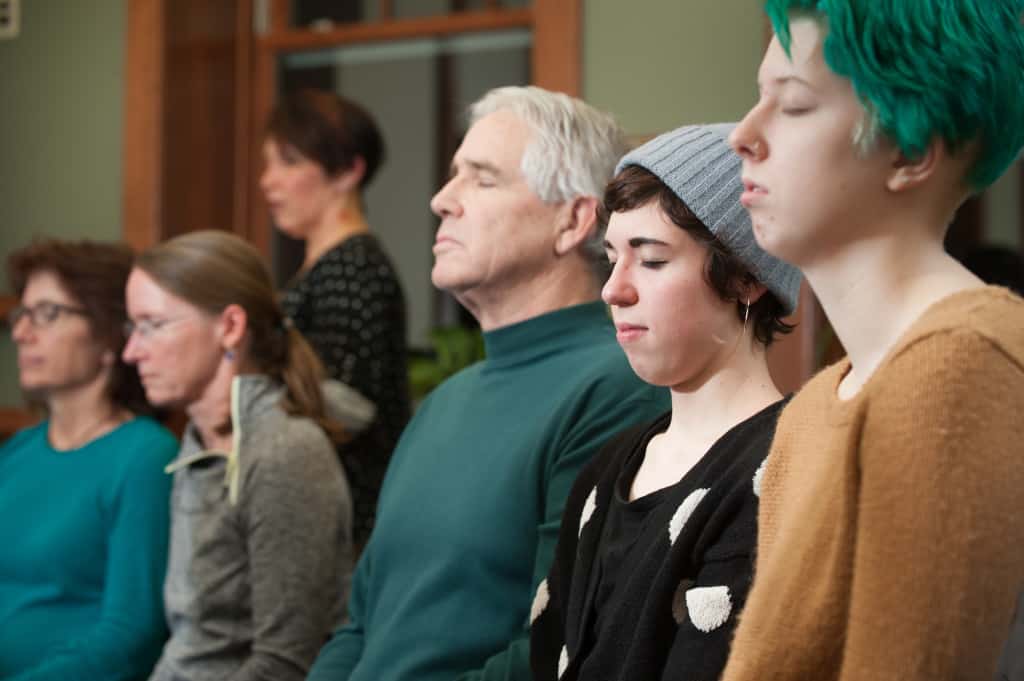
60 132
658 64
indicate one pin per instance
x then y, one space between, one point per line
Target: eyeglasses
42 313
146 328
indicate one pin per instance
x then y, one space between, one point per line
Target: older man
469 514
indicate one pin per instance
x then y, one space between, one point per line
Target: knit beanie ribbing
698 165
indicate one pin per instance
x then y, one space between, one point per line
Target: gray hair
573 151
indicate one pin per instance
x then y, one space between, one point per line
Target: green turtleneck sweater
469 514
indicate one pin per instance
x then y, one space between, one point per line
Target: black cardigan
672 611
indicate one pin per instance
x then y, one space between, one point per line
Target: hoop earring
746 316
229 355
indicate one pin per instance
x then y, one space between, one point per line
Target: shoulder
143 429
367 254
137 453
991 319
26 438
951 362
613 454
278 443
743 457
141 443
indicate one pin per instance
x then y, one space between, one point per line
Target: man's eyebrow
484 167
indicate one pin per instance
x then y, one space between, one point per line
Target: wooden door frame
556 64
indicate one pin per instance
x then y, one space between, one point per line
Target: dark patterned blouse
350 307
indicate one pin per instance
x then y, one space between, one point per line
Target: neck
211 412
732 394
341 222
78 416
553 289
872 291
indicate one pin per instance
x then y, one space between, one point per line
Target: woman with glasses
261 514
83 495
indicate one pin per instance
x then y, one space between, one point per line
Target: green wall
60 132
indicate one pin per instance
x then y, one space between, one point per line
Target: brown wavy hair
212 269
94 275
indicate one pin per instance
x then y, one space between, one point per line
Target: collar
540 335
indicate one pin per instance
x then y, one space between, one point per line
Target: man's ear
577 220
231 326
906 173
348 180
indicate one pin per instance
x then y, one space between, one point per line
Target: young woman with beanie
655 553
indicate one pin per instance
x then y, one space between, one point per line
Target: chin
162 400
771 242
446 280
35 392
647 374
291 231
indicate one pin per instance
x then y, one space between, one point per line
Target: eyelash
653 264
796 111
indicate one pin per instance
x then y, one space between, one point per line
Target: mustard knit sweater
891 532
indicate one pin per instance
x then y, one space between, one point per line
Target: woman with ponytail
260 548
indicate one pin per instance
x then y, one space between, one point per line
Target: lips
626 333
443 242
752 191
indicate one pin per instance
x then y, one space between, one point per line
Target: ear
232 326
348 180
907 173
577 220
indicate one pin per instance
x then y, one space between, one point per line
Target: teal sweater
84 537
471 505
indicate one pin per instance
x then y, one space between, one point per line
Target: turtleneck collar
539 335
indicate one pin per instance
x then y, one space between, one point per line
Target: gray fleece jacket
261 549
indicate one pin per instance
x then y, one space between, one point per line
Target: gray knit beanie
698 165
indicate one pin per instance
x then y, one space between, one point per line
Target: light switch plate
9 19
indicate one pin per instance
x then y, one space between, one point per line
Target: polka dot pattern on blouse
351 308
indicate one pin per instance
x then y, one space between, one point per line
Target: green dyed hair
952 69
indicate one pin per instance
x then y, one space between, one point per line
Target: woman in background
261 548
321 152
83 496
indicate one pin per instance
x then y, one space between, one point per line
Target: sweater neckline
919 328
85 446
539 335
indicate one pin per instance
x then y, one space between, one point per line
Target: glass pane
327 13
418 91
407 9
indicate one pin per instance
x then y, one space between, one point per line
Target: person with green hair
889 544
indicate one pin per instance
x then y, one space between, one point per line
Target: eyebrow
637 242
786 80
477 166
